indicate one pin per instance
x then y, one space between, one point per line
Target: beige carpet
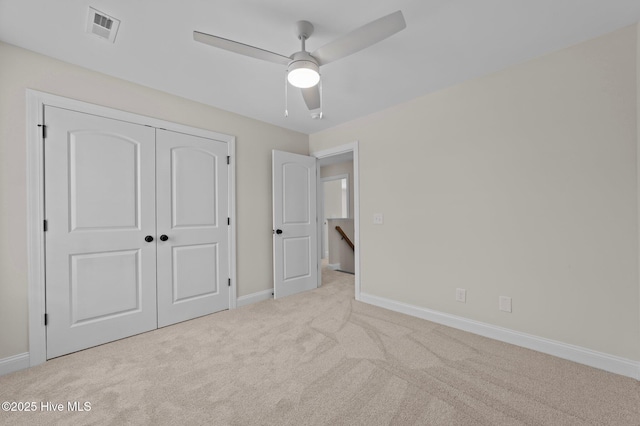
319 358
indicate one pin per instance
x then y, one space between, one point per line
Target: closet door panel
99 206
192 211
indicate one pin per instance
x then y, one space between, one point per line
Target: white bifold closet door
192 198
112 190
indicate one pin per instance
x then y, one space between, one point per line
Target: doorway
334 214
341 154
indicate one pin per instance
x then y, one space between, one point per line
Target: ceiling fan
303 68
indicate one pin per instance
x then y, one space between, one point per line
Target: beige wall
21 69
522 183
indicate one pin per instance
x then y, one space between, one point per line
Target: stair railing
344 237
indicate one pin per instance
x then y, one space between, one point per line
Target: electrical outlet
461 295
378 219
504 303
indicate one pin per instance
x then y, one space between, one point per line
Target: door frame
330 152
36 101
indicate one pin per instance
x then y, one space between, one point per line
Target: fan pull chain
317 113
321 101
286 95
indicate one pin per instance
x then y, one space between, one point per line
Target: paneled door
295 235
193 246
137 229
101 219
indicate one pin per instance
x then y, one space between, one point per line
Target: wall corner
638 173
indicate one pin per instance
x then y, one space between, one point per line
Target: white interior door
295 244
100 206
193 243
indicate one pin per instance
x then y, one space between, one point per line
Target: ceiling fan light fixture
303 74
303 68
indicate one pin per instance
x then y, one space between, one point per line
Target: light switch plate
378 219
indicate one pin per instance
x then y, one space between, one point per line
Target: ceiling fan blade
241 48
363 37
311 97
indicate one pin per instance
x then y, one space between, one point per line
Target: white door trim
349 147
35 201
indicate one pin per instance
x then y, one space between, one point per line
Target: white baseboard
254 298
603 361
14 363
333 266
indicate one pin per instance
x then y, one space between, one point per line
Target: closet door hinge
46 319
228 159
45 225
229 282
44 130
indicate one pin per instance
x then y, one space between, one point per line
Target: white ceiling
446 42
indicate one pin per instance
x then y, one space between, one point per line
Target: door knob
148 238
278 231
163 237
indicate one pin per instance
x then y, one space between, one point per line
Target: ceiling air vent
102 25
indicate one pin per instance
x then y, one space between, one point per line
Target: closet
137 233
